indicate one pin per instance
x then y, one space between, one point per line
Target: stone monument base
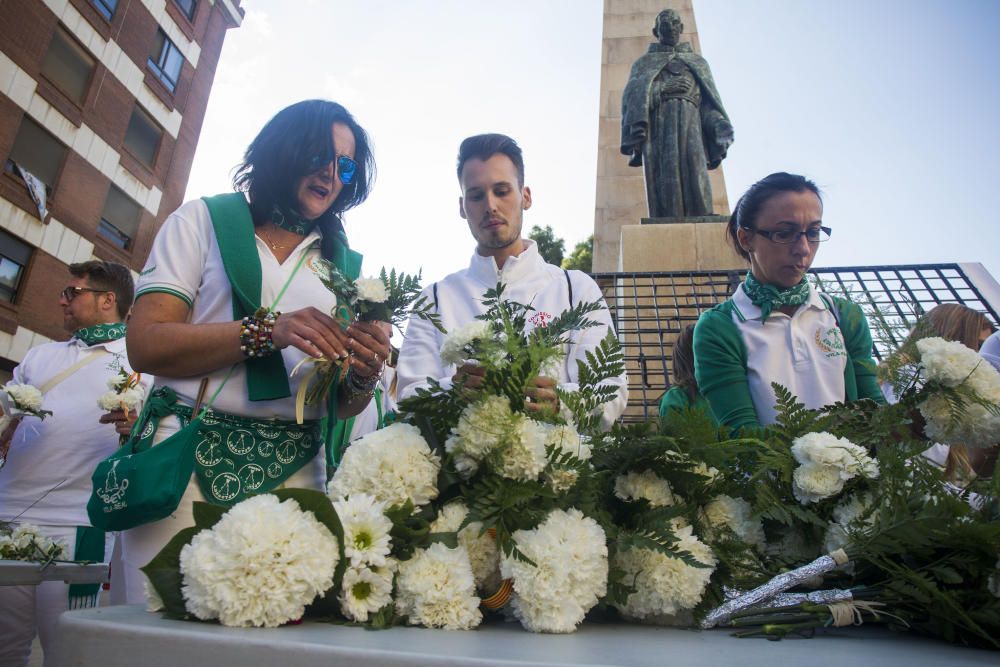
677 244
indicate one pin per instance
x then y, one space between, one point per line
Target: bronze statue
673 123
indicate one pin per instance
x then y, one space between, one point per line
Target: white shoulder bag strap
56 379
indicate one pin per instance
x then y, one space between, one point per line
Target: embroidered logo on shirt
540 319
831 342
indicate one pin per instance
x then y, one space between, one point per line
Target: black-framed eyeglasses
72 292
789 236
347 168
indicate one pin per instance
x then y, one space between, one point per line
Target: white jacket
527 279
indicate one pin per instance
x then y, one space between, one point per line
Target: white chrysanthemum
25 396
371 289
569 576
480 429
260 565
454 349
945 361
154 602
523 450
735 514
366 529
852 513
645 485
665 585
364 591
484 557
394 464
565 438
436 589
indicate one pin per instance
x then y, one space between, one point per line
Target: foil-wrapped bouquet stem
778 584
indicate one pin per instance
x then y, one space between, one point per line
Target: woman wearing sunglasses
231 294
777 327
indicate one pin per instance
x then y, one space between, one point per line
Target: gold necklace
270 242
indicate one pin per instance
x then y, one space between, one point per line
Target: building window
68 66
142 138
188 7
120 219
105 7
38 152
14 256
166 60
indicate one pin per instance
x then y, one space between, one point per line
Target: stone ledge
684 219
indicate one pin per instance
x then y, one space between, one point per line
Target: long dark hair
749 205
682 362
280 155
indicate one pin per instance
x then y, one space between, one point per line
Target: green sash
234 231
89 547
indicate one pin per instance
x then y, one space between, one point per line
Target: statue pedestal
696 243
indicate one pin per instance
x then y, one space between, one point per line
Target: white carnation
371 289
25 396
480 429
978 426
366 529
569 576
129 399
260 565
645 486
945 361
709 472
154 602
393 464
457 345
665 585
827 462
851 514
522 455
736 515
365 591
484 557
436 589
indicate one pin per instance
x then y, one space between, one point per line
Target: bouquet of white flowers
25 542
124 393
19 400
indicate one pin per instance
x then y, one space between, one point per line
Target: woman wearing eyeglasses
231 294
777 327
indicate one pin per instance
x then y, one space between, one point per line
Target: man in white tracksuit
493 201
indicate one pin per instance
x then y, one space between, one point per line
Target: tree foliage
550 247
582 257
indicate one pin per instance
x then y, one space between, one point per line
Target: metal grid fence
650 309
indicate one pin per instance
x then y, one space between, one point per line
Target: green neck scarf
291 221
101 333
234 231
769 297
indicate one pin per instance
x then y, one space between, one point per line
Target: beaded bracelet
256 334
357 386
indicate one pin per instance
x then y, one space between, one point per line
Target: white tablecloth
128 636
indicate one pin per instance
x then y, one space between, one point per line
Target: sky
889 105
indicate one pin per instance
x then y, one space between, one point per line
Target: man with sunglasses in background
46 479
493 201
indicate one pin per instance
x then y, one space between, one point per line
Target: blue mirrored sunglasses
346 167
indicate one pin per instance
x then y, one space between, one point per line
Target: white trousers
141 544
29 610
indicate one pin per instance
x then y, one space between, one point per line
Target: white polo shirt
54 458
804 353
185 261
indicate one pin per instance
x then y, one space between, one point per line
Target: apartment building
101 105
